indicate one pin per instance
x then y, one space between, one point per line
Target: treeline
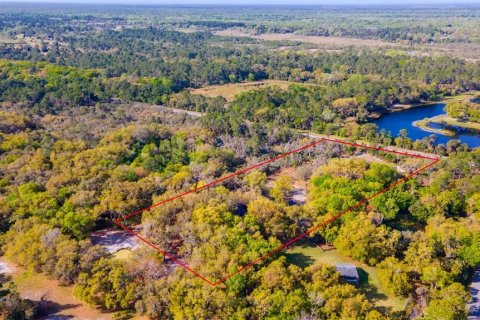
322 106
464 111
400 24
51 87
319 109
44 26
200 58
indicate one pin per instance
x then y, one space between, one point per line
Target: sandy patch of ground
372 159
55 301
114 240
5 268
299 192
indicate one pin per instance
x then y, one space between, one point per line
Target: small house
348 272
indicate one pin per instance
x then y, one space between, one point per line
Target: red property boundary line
119 221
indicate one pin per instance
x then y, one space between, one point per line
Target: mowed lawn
305 254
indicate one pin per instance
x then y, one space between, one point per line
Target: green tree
364 241
256 180
448 304
282 188
106 285
393 275
278 294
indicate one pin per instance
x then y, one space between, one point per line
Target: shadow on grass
371 292
47 308
363 276
299 259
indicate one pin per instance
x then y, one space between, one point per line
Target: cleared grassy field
306 254
229 91
335 42
463 96
466 51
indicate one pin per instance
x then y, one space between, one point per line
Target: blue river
395 121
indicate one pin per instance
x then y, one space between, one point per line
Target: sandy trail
56 301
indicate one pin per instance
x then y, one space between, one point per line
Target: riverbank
454 122
444 119
422 120
398 108
424 125
470 95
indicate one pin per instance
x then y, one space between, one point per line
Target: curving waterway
404 119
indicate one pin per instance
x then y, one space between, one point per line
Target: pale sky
256 2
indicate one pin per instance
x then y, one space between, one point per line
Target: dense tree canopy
98 119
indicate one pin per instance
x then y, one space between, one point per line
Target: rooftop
347 270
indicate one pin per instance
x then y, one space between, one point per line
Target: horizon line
248 3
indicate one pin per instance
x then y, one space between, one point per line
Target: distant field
320 40
306 254
4 39
229 91
467 51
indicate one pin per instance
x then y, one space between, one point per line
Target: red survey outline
119 223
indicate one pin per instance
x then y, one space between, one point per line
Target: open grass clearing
230 90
